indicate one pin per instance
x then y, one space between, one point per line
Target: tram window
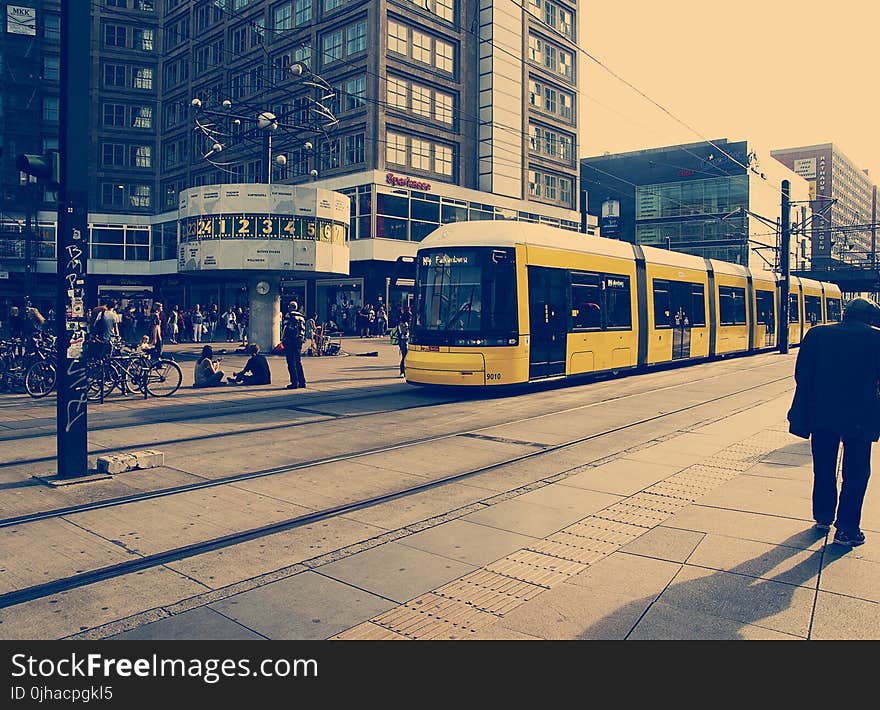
586 300
731 305
832 306
794 314
662 304
678 304
698 305
766 301
618 306
813 309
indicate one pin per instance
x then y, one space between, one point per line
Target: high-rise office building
843 199
444 110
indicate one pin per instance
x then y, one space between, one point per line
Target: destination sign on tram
445 260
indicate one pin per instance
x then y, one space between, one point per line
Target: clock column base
264 325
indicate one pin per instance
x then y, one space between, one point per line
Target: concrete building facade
445 110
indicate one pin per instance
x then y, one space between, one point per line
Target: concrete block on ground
116 463
120 463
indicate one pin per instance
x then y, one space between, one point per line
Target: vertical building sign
822 207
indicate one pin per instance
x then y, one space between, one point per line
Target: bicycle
162 378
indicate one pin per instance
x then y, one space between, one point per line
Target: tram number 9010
493 376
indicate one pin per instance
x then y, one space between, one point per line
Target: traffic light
46 167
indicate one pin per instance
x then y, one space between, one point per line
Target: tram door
548 321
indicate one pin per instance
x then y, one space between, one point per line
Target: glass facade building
718 200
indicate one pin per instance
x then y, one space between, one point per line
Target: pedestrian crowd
195 324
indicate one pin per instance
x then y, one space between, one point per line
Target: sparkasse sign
399 181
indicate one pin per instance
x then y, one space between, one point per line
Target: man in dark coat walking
837 400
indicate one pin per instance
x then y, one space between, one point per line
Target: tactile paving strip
368 631
461 607
489 591
432 616
535 568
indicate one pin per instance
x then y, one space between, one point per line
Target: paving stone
201 623
307 606
570 612
839 617
395 571
663 622
467 542
774 605
664 544
629 576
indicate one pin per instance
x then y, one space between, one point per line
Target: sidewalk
705 535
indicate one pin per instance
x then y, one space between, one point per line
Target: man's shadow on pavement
725 605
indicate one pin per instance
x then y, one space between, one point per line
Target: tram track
250 475
38 591
261 408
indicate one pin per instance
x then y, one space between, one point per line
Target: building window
112 195
51 67
395 148
398 36
330 5
421 100
238 39
282 17
356 38
114 115
141 196
330 157
443 107
114 75
332 47
398 90
113 155
143 78
354 149
565 191
302 13
141 156
445 54
534 184
114 35
143 39
52 27
443 160
421 47
50 108
355 93
421 154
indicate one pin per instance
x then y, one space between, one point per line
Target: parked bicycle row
30 365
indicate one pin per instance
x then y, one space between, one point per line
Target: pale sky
777 72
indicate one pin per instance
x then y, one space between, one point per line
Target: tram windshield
466 297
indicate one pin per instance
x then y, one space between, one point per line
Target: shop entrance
339 301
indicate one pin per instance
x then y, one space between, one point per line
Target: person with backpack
293 333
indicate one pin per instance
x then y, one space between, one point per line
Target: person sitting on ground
255 370
208 372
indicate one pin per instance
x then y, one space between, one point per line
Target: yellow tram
511 302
